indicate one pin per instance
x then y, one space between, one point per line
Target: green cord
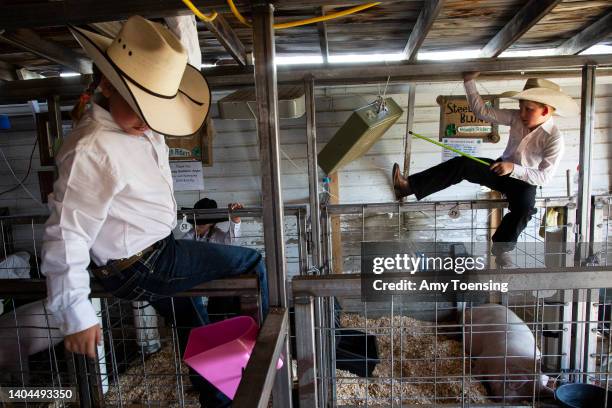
452 149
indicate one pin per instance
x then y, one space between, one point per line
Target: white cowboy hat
147 65
546 92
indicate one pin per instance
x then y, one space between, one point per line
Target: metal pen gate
566 329
139 361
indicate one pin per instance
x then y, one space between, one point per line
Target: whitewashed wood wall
234 175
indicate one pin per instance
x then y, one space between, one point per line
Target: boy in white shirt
113 202
534 150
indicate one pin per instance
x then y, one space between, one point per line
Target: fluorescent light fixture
299 60
69 74
348 58
529 53
598 49
448 55
423 55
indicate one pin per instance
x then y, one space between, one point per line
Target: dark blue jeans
178 265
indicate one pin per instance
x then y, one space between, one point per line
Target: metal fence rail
564 327
571 327
345 226
407 378
139 361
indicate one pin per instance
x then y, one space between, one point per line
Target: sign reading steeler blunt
458 120
195 147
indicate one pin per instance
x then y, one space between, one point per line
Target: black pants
520 195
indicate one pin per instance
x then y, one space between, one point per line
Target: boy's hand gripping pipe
452 149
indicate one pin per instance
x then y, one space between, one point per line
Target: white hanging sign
187 175
469 146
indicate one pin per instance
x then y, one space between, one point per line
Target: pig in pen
467 353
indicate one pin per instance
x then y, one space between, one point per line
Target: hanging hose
280 26
199 14
327 17
237 14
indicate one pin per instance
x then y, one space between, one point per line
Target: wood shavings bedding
422 369
159 388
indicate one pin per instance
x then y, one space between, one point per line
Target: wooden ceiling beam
323 43
588 36
299 4
232 77
8 72
428 15
59 13
107 28
527 17
219 27
226 35
28 40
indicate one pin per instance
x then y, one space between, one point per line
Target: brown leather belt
115 266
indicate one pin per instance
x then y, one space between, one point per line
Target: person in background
208 231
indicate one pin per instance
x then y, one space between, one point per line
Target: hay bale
425 370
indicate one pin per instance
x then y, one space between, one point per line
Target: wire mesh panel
476 354
601 352
140 360
421 355
542 242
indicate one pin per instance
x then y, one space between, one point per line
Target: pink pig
23 332
493 332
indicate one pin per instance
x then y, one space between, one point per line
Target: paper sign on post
469 146
187 175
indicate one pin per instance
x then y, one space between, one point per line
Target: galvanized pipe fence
571 326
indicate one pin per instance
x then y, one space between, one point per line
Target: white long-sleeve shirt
113 198
218 235
535 154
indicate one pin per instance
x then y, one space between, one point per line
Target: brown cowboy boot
401 186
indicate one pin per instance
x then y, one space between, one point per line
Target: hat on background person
546 92
147 65
203 204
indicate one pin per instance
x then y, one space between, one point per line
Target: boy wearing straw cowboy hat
113 202
533 152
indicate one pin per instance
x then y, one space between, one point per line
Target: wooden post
336 233
407 137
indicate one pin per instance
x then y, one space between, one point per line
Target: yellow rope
199 14
313 20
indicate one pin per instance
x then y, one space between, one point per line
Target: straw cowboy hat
147 65
546 92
